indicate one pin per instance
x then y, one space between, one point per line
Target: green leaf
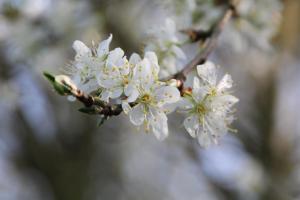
103 118
49 77
59 88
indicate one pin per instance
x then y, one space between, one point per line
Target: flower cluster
209 105
257 22
165 42
134 86
132 83
86 63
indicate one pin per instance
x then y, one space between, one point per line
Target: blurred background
50 151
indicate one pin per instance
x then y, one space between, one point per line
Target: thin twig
210 45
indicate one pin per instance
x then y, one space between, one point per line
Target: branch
211 38
63 85
94 105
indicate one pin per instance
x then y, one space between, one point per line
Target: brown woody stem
211 38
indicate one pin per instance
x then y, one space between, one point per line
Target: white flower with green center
86 64
167 46
209 106
120 76
114 76
151 100
144 72
149 108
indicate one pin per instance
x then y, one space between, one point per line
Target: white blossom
259 22
209 106
120 76
166 45
87 64
151 101
113 76
199 14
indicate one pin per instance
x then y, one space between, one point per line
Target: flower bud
66 81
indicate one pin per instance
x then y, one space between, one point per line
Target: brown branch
211 38
197 35
96 105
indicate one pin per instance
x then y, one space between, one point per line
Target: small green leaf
61 89
103 118
49 77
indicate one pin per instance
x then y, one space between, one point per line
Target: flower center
213 92
125 81
146 98
201 109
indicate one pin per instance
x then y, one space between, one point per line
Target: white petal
151 57
166 94
191 124
116 92
103 48
178 52
105 95
89 86
115 57
124 68
153 60
134 59
199 91
205 139
158 122
207 136
170 26
225 83
128 89
126 107
137 115
80 48
143 72
169 107
216 123
133 96
224 102
196 83
207 73
185 104
108 81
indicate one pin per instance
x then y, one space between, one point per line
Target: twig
197 35
99 107
211 37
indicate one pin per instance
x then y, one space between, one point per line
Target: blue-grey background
49 151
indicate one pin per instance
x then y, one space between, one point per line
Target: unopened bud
174 83
66 81
187 91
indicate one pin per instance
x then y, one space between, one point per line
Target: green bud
62 84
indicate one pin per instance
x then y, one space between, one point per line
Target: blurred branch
210 37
